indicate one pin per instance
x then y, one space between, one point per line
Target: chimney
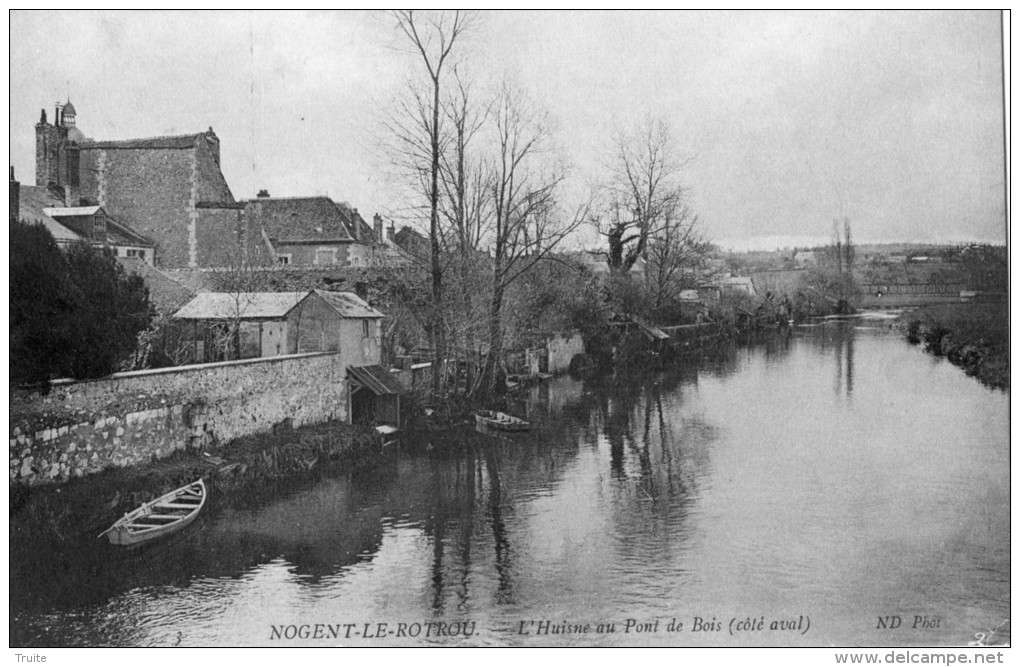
263 194
391 232
15 198
378 224
214 144
354 223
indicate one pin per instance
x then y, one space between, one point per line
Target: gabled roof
179 141
243 306
55 218
348 304
302 219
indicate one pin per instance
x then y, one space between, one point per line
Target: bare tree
420 133
675 253
643 189
467 212
244 267
526 224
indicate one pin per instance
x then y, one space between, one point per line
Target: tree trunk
438 346
493 380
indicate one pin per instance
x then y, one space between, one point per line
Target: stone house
281 323
318 232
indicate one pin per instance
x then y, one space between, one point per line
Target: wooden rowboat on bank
162 516
501 421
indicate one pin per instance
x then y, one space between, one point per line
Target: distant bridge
889 289
893 295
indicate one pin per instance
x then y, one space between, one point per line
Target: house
725 287
172 192
267 324
318 232
412 242
304 231
92 224
736 285
805 258
596 262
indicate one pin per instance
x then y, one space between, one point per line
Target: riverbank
973 336
80 508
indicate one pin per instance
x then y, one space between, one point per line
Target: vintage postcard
510 329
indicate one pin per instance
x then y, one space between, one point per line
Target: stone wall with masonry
79 428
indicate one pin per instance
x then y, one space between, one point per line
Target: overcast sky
893 119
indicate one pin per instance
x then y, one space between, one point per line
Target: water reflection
735 482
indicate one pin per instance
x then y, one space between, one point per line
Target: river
832 486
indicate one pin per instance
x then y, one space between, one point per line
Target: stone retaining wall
83 427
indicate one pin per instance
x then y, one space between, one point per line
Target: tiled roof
357 228
245 306
180 141
298 219
165 293
349 304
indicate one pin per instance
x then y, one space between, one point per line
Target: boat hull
167 514
501 421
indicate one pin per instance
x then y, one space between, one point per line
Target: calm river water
833 486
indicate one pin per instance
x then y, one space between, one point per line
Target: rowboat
162 516
501 421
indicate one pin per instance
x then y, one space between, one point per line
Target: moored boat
162 516
501 421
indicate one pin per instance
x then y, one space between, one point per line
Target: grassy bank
974 336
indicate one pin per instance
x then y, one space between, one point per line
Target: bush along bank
974 337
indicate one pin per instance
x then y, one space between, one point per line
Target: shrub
73 314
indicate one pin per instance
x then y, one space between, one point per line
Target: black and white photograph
522 329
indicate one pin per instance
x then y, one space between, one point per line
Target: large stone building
172 191
169 189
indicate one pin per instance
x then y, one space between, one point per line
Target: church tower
48 139
57 153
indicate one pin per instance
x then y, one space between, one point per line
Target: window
135 252
99 228
283 259
364 328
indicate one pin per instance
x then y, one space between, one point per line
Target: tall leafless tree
420 134
675 254
467 213
244 266
526 221
643 189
